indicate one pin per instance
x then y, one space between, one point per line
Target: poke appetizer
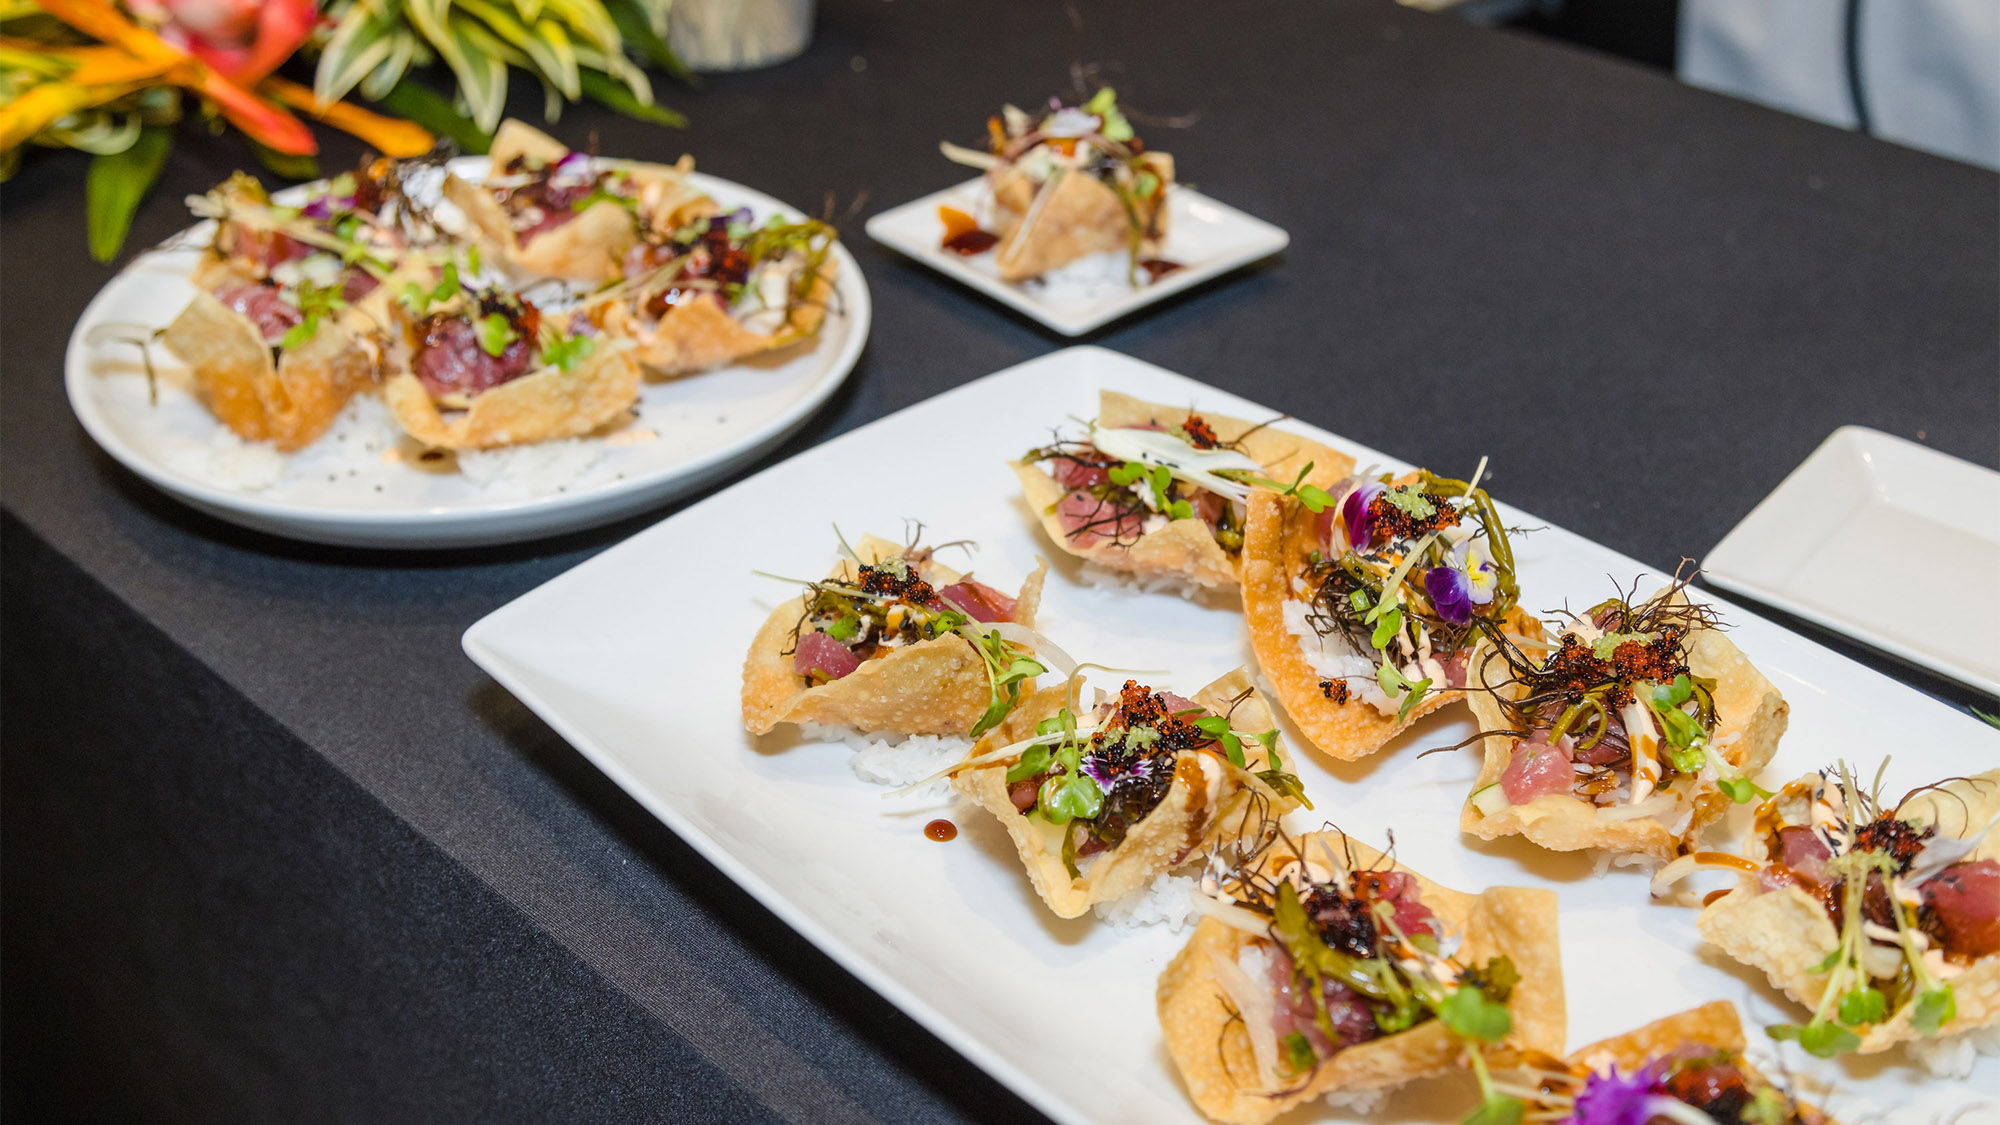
288 321
1102 800
1163 491
530 320
1684 1068
474 369
546 212
1067 182
1323 967
1630 734
1883 920
1364 604
893 641
720 289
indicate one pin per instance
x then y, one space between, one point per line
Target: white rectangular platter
1849 519
1208 238
634 657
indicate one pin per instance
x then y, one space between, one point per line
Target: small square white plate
1885 540
635 657
1206 238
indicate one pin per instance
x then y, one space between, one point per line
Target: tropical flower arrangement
113 80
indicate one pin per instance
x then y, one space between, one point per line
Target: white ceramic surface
634 658
1883 539
704 424
1207 238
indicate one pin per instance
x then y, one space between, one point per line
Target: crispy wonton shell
1786 932
1072 215
1750 717
542 405
289 403
590 247
1715 1025
1183 547
699 334
1209 798
1206 1037
1277 540
937 686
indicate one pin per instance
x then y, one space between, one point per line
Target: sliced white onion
1659 804
1230 914
1196 466
1041 646
1254 1003
970 157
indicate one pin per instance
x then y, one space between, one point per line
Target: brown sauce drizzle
962 234
941 830
1157 268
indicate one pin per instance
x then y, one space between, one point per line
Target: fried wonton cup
1712 1027
1210 1047
1071 215
289 401
1279 538
1210 799
938 686
1750 717
1787 932
543 405
590 247
1184 548
698 334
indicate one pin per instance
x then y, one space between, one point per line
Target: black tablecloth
275 849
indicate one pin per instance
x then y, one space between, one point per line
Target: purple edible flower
1614 1099
323 207
1451 593
573 166
1482 576
1108 770
1354 513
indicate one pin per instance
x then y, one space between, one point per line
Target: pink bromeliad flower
243 40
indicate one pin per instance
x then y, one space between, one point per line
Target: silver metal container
739 34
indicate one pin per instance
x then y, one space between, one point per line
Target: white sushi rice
1168 899
531 470
227 459
896 760
1954 1055
1098 576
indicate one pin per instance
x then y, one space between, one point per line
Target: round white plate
352 488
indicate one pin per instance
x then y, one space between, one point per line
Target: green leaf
1180 510
1819 1038
1146 184
495 333
1417 690
1315 498
565 352
1471 1015
1299 1055
419 103
639 34
1740 789
1829 961
115 185
300 333
360 43
1388 626
1935 1008
1232 748
1067 797
1032 764
603 90
1124 475
1863 1006
846 628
